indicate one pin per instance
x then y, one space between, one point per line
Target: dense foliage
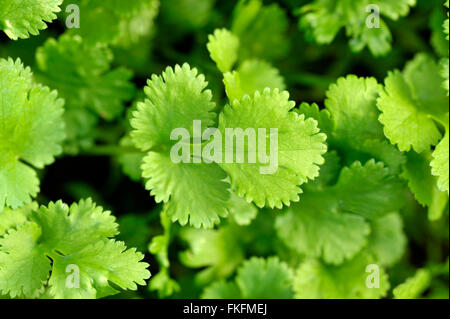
91 92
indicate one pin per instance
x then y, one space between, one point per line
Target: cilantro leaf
417 172
413 287
315 280
263 279
323 19
323 117
172 184
187 15
18 184
446 23
81 74
445 74
180 90
261 30
219 251
100 264
242 212
369 190
352 105
387 241
24 268
223 47
62 239
329 173
440 162
72 228
257 278
330 222
300 148
316 227
30 135
356 131
409 104
120 23
20 18
252 76
222 290
13 218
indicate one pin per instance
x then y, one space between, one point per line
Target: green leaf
182 91
380 150
137 27
164 284
352 105
257 278
13 218
74 244
252 76
323 117
356 131
445 74
223 47
18 184
438 204
242 212
30 135
220 251
446 23
69 229
269 278
100 264
323 19
370 190
82 75
417 172
413 287
329 222
387 241
315 280
187 15
378 40
194 193
316 227
115 22
329 173
24 268
80 130
300 148
222 290
319 22
20 18
410 102
395 9
439 164
261 30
